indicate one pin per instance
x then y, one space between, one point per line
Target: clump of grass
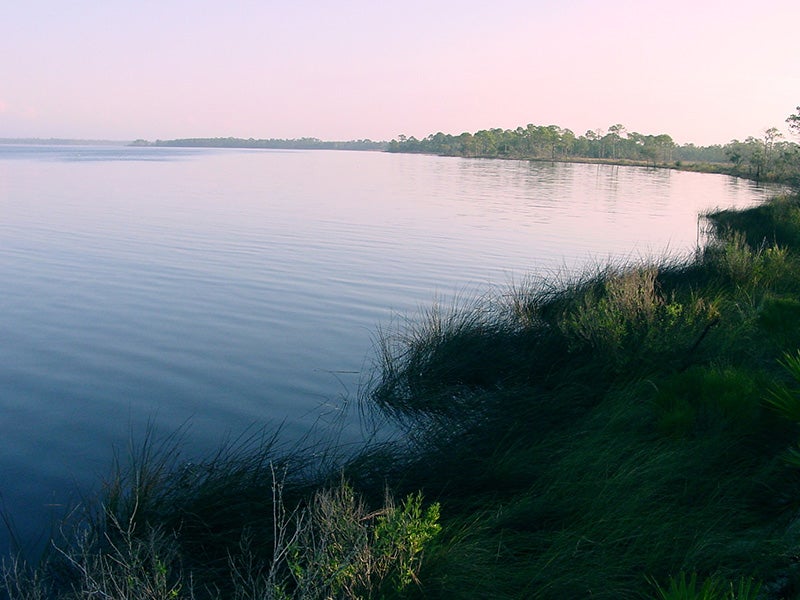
437 376
744 265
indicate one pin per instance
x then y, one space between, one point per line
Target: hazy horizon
703 73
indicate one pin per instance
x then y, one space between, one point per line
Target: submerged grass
631 434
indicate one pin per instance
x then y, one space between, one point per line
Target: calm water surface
227 289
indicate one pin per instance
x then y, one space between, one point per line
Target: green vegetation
766 158
243 524
634 434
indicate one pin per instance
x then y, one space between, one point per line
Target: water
224 289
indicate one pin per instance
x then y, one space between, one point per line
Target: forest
766 157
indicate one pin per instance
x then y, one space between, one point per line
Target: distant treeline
294 144
769 157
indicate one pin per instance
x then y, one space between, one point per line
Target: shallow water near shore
221 290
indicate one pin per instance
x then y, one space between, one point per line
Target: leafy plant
681 588
401 536
344 551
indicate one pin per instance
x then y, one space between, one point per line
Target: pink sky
702 71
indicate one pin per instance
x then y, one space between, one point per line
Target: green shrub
343 551
604 321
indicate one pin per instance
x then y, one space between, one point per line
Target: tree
551 136
645 145
467 143
755 155
568 141
735 151
615 133
666 145
794 122
771 136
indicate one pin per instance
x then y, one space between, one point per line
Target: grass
617 430
634 433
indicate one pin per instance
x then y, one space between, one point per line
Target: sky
702 71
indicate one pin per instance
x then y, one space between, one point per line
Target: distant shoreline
270 144
62 142
369 145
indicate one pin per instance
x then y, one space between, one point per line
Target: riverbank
789 179
689 166
612 436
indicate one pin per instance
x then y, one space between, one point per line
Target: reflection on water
232 288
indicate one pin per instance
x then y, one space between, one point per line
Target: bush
339 549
